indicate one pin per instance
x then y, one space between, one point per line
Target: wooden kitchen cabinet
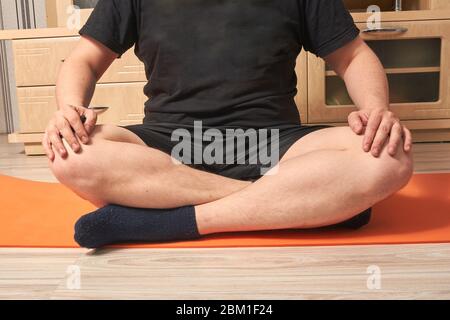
414 47
125 101
38 56
417 61
37 62
38 104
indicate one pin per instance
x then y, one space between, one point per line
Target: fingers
356 123
55 141
364 118
73 117
371 130
396 139
68 125
91 120
408 139
384 127
380 127
48 148
66 131
381 136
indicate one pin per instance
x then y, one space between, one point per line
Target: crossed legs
118 168
325 178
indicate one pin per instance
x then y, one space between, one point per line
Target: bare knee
392 173
68 171
404 167
389 172
80 168
79 173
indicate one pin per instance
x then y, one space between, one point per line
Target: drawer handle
385 30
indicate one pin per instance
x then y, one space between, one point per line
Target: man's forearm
367 85
366 82
76 84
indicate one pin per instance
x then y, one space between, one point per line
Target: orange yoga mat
35 214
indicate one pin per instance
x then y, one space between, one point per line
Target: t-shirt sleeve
114 24
326 25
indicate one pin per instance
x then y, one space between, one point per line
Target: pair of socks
117 224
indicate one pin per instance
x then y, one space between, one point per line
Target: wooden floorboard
33 273
406 272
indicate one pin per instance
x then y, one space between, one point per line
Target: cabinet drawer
37 62
126 101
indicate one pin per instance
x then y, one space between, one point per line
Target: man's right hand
67 124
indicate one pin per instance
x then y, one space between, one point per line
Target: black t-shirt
229 63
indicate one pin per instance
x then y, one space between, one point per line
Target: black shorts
159 136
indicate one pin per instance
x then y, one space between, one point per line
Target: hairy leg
117 167
325 178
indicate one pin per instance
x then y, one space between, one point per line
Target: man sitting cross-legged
228 65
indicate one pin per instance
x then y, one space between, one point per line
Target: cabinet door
417 62
125 101
37 62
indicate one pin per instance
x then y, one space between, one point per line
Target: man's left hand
380 127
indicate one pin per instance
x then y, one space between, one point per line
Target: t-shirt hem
338 42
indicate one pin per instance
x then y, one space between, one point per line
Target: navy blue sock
357 222
116 224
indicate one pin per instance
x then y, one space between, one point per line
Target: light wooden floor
405 271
